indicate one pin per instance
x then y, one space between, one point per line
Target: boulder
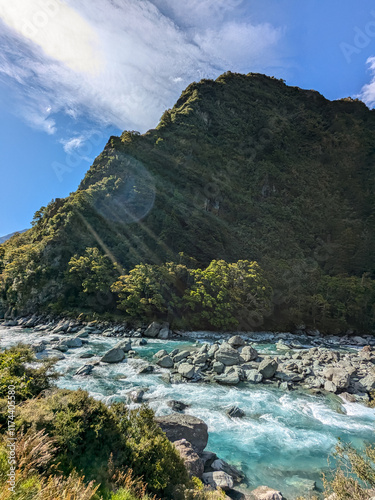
164 333
211 351
231 378
236 341
114 355
253 376
268 368
368 382
194 465
38 346
165 362
152 331
84 370
181 355
266 493
339 376
160 354
248 353
125 345
218 367
178 406
146 369
329 386
221 465
227 355
235 412
74 342
136 395
180 426
186 370
218 479
60 347
83 333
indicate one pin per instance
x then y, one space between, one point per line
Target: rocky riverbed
273 404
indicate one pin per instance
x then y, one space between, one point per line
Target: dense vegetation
241 168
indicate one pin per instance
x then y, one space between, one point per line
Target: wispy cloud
121 62
368 91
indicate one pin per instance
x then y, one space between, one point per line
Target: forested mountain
241 168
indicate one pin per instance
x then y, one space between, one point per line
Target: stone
329 386
164 333
84 333
301 484
253 376
339 376
236 341
86 355
231 378
180 426
368 382
221 465
152 330
208 457
193 463
235 412
60 347
211 351
84 370
266 493
186 370
268 368
218 367
38 346
248 353
200 358
114 355
181 355
125 345
178 406
74 342
227 355
281 346
165 362
160 354
218 479
140 342
136 395
146 369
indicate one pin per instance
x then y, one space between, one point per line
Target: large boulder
221 465
194 465
84 370
179 426
164 333
248 353
227 355
125 345
368 382
74 342
152 330
231 378
115 355
339 376
236 341
218 479
268 368
253 376
186 370
180 356
165 362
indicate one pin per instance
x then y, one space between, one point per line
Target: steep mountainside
244 167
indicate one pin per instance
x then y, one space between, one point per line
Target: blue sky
74 72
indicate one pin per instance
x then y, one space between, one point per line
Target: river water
284 439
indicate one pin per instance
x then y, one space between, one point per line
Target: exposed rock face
218 480
193 463
221 465
114 355
254 376
165 362
248 353
179 426
268 368
186 370
164 333
152 330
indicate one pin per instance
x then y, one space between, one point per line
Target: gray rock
266 493
178 406
211 351
218 479
125 345
228 378
235 412
218 367
84 333
268 368
227 355
193 463
146 369
221 465
253 376
181 355
186 370
165 362
208 457
139 342
236 341
114 355
74 342
84 370
136 395
160 354
180 426
339 376
329 386
38 347
60 347
248 353
163 333
368 382
152 330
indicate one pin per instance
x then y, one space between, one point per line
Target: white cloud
121 62
73 143
368 91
